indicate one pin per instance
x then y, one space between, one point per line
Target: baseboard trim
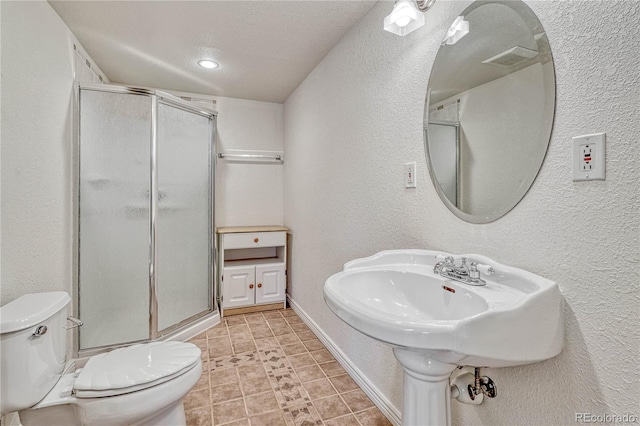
387 408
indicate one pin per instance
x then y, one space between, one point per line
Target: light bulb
208 63
403 21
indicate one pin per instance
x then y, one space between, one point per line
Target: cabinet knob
255 240
259 285
250 285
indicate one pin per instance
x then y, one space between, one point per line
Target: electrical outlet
589 157
410 175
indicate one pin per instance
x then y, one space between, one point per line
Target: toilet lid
134 368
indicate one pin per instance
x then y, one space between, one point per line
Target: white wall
37 77
249 193
355 121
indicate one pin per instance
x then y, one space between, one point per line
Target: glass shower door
113 262
183 226
444 152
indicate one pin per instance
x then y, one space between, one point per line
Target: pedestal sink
435 324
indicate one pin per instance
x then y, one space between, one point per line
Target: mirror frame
532 21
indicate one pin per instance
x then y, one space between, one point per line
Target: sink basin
435 324
394 297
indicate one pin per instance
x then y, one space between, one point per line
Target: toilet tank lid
31 309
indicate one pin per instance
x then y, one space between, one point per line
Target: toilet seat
134 368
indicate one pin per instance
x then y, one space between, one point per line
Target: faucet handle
486 269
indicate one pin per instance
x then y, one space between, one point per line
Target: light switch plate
589 157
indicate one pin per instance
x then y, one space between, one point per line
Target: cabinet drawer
254 239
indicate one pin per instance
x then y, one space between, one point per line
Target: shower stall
144 195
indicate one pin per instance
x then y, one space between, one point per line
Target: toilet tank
31 364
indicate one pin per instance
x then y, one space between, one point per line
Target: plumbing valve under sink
470 388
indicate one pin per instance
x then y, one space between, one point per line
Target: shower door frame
456 125
156 97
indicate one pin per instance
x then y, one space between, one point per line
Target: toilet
141 384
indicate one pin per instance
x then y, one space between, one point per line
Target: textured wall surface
37 104
355 121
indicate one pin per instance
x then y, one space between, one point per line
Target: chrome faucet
467 274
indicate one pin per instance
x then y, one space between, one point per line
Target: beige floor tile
273 418
357 400
217 331
295 349
199 336
269 369
223 376
271 314
254 386
306 335
240 328
199 416
251 371
242 422
197 399
219 351
300 328
322 356
343 383
372 417
331 407
258 325
219 341
222 393
293 319
234 320
242 347
277 322
229 411
237 360
348 420
318 389
200 343
261 403
287 339
266 343
309 373
302 414
301 360
279 331
332 369
243 336
261 333
289 391
313 345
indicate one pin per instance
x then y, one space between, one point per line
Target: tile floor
268 368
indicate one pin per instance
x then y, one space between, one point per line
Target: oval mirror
489 109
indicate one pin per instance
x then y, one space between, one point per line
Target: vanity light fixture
456 31
406 16
208 64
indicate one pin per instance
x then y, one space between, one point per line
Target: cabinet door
271 284
238 286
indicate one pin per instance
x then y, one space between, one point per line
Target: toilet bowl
142 384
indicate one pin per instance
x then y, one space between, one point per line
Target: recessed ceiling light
208 63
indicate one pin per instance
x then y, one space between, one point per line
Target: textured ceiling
265 48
